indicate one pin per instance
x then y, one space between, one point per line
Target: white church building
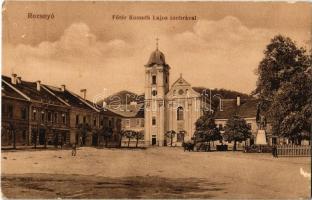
174 108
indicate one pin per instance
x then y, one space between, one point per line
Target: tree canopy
206 129
236 129
284 87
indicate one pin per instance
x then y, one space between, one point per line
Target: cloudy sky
83 47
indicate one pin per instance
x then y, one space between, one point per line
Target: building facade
47 115
15 117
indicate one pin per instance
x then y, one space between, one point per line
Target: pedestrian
274 151
74 150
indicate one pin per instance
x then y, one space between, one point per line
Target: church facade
168 109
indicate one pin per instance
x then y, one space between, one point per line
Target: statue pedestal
261 138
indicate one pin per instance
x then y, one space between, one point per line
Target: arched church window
153 79
154 92
174 92
180 113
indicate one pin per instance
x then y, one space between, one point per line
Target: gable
181 89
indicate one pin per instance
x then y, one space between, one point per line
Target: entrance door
41 136
154 140
94 140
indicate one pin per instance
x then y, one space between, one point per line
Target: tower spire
157 39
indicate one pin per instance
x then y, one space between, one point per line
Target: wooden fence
293 150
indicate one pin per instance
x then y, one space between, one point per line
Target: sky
84 47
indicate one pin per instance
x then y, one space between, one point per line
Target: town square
160 172
213 105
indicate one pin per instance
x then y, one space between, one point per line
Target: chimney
63 87
19 80
238 101
104 104
13 79
38 85
83 93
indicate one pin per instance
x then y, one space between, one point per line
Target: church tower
156 87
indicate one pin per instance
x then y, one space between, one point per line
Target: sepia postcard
156 100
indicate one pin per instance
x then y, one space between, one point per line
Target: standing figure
74 149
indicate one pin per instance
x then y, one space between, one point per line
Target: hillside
124 97
226 94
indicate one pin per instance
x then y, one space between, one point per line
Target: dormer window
154 80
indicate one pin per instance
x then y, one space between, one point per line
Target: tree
170 134
12 131
138 135
284 87
48 130
83 130
129 134
237 130
206 129
34 137
291 108
106 133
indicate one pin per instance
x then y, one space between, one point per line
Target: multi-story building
244 108
48 115
86 118
15 116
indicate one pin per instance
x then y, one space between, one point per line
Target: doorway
154 140
41 136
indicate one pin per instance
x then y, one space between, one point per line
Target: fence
293 150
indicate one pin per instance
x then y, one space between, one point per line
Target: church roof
157 57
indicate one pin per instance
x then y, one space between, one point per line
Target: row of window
49 116
180 116
154 79
134 123
85 120
104 121
8 112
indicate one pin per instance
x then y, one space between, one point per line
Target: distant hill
124 97
226 94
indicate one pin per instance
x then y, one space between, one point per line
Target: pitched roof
128 111
9 91
124 97
226 94
29 89
72 99
247 109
